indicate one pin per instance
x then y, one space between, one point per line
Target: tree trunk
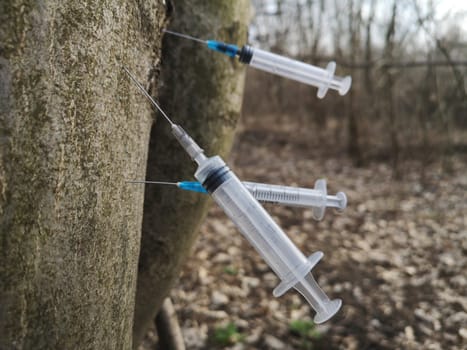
353 126
202 91
389 92
72 129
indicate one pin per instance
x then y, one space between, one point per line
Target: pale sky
455 6
448 12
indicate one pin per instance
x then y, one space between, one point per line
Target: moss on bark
72 129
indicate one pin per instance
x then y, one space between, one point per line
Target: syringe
279 252
323 79
317 199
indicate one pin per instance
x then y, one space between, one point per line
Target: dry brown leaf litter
396 256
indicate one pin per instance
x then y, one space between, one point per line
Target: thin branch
399 64
168 330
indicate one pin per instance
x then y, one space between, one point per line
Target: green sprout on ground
227 335
231 270
307 332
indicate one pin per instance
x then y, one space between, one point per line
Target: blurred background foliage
408 61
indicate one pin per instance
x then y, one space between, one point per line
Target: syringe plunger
323 79
316 198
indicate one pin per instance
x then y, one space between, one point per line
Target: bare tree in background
388 92
385 47
459 91
368 78
354 24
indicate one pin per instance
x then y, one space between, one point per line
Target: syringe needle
151 182
189 37
145 93
191 147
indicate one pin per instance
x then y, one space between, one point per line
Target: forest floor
397 256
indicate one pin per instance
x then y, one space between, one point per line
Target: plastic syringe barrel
316 198
279 252
323 79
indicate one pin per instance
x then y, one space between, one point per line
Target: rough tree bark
72 129
202 90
